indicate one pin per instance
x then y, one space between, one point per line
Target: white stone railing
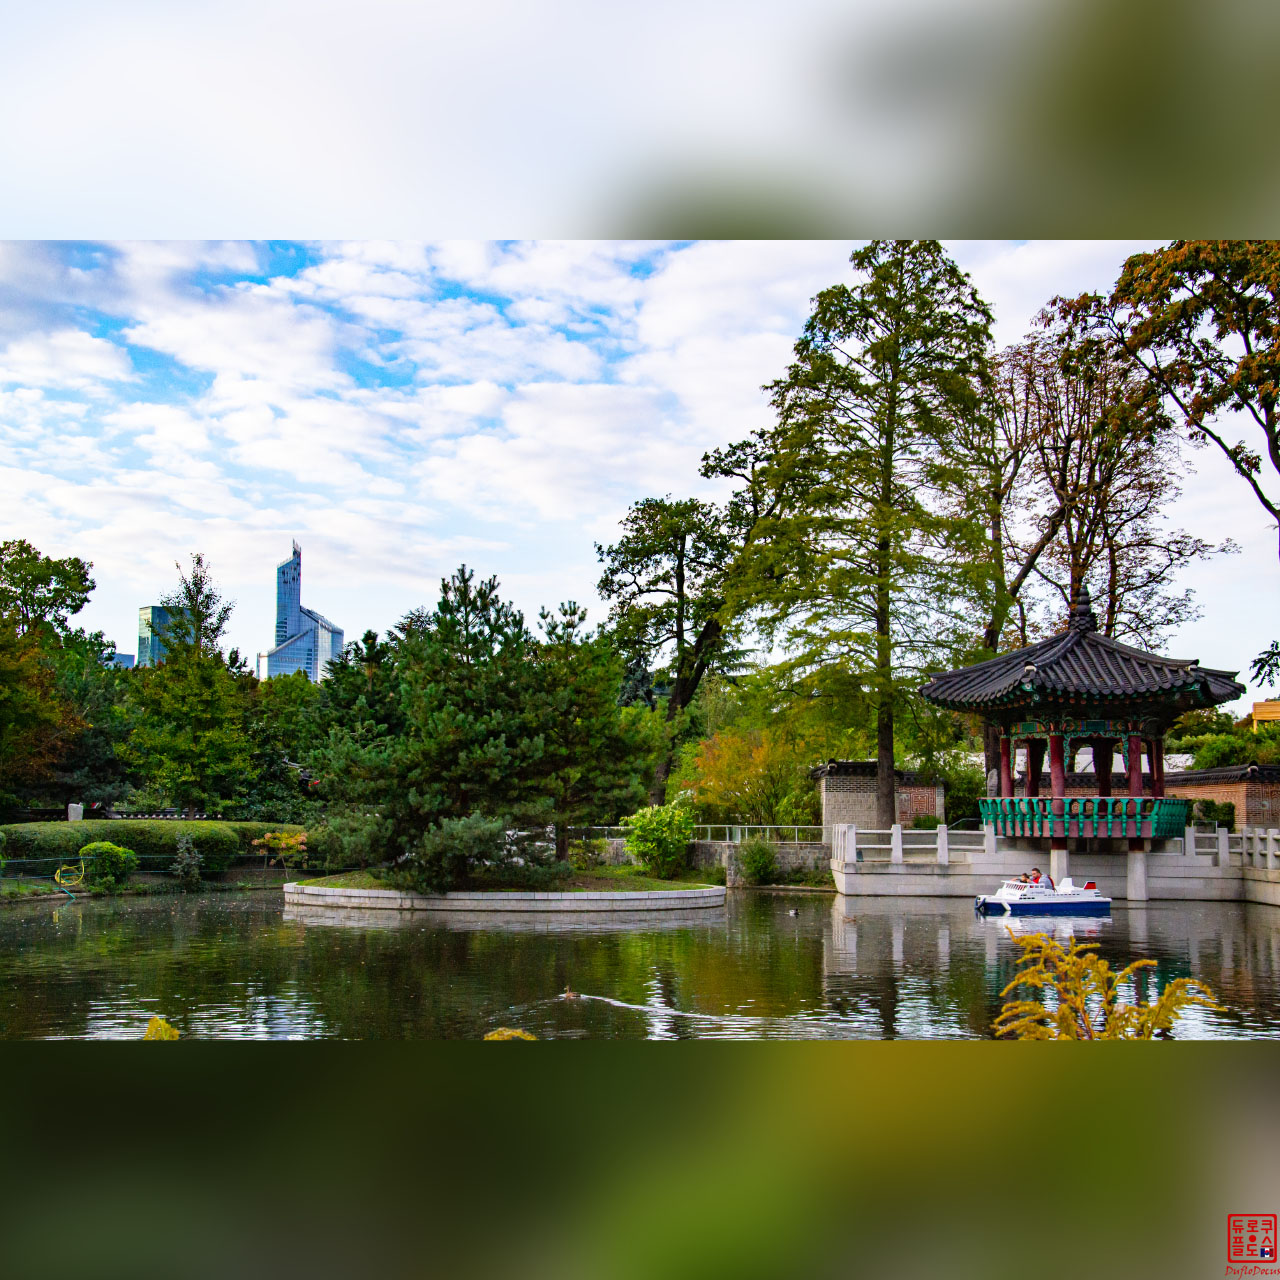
940 846
1260 847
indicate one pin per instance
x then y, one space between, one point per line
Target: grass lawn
598 880
10 889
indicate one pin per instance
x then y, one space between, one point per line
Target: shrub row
155 841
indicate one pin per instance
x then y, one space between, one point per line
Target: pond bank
605 891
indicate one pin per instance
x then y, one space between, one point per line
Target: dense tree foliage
882 545
465 729
36 590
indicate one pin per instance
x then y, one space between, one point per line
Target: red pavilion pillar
1135 765
1102 753
1157 767
1035 765
1006 769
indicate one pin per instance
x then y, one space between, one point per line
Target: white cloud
65 359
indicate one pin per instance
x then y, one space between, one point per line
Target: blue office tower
152 621
305 641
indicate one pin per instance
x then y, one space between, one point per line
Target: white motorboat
1022 898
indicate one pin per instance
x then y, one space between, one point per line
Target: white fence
1260 847
939 847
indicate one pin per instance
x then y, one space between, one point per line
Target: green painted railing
1083 817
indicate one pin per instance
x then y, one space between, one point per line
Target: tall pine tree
877 549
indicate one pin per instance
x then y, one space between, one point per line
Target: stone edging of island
396 900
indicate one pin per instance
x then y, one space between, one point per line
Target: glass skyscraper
152 621
304 640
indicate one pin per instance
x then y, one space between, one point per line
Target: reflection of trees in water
231 965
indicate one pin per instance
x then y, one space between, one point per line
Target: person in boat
1039 877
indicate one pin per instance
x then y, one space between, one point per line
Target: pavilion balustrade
1086 817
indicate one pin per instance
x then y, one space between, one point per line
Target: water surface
244 966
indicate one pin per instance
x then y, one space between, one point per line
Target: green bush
155 840
1223 814
446 854
186 863
587 855
758 860
925 822
107 865
658 837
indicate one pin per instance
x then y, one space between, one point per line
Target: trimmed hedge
155 841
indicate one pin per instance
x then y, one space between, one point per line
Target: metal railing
736 833
727 833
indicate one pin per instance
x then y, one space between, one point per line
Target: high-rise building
305 641
152 621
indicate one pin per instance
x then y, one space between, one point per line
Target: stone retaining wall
398 900
792 856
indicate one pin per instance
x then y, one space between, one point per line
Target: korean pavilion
1079 688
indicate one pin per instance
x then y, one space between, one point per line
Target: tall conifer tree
877 551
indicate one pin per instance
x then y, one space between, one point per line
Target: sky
401 408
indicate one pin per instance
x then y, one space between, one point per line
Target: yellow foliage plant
288 849
159 1029
1088 1002
509 1033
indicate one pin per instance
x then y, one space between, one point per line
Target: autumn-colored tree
756 776
37 725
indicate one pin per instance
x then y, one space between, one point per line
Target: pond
801 966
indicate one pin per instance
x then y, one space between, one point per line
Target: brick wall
852 800
1257 803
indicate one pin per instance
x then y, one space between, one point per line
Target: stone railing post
1273 848
895 842
844 843
989 839
944 851
1189 842
1224 847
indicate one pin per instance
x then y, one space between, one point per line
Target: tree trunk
658 791
886 790
990 749
562 839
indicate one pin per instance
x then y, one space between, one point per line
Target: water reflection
245 966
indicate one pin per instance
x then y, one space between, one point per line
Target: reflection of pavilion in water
932 968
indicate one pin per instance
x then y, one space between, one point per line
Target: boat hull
992 906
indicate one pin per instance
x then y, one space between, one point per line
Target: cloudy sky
400 408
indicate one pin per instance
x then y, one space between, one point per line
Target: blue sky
399 408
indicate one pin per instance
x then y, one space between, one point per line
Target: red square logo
1251 1237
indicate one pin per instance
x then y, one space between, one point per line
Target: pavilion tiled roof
1079 665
